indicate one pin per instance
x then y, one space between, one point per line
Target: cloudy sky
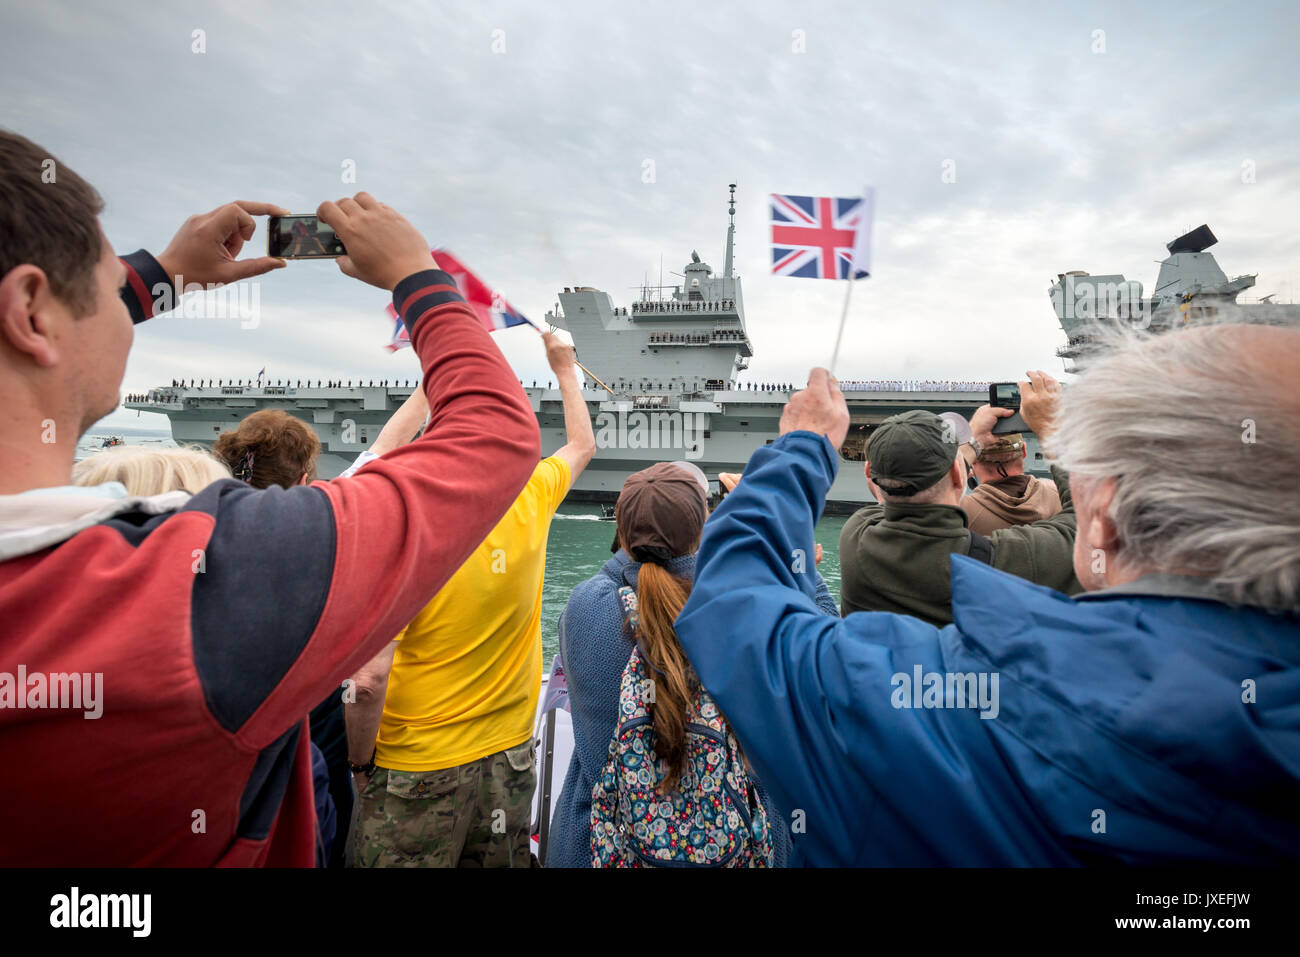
520 135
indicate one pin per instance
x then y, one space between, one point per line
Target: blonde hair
151 471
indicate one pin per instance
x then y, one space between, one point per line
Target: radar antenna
731 232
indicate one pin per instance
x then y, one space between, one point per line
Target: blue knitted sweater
594 649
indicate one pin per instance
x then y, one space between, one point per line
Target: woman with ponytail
630 605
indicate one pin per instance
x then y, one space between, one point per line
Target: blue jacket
1119 732
594 648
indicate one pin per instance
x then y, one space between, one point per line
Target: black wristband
367 768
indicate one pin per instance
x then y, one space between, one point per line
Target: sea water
579 544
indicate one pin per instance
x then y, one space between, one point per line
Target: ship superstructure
1190 289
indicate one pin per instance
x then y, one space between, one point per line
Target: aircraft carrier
665 376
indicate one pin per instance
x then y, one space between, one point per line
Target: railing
659 307
725 336
911 385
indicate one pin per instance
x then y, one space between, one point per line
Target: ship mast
731 232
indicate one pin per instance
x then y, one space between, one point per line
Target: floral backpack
713 819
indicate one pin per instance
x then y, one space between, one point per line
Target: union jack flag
401 338
492 309
813 236
490 306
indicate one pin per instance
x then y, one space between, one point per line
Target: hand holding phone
1042 398
383 248
204 248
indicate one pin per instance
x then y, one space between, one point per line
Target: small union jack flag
813 236
401 338
492 309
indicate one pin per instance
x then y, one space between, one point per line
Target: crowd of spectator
912 385
682 305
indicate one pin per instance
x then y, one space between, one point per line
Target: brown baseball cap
1005 448
660 513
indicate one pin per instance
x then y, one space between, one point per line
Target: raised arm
202 251
403 424
347 564
580 437
810 696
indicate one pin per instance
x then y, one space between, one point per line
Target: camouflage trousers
474 815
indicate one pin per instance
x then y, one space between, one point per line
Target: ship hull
718 431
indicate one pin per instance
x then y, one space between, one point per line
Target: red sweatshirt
217 625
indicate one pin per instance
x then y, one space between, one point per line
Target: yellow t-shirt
468 668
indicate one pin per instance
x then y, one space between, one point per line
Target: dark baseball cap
660 513
916 448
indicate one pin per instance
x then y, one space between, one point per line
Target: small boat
607 513
111 441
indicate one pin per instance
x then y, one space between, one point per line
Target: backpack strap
631 610
978 547
632 615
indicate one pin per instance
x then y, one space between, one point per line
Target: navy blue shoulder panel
264 793
265 579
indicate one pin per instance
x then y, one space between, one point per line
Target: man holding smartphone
1006 495
894 555
233 611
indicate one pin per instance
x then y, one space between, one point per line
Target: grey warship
664 376
1191 289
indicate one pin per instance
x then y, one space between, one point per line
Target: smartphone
1004 395
302 237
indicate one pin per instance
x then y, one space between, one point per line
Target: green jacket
895 557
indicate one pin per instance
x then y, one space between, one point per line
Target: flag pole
860 264
844 314
590 375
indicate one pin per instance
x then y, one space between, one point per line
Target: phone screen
1004 395
302 237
